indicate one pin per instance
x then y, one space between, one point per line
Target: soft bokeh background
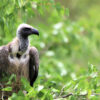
69 42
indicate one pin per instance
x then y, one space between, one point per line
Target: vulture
17 57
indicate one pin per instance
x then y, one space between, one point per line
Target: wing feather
4 62
33 65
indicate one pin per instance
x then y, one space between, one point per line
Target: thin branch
62 90
2 92
65 96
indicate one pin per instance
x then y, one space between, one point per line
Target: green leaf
7 88
26 84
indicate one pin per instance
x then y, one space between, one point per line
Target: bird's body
19 58
15 64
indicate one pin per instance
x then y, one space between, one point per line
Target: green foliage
66 47
7 89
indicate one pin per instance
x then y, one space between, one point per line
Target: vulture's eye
26 29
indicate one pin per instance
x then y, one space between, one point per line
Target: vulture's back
4 62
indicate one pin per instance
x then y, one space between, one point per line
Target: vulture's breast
19 65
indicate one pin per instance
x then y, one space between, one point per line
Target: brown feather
33 65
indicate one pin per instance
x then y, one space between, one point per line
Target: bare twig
65 96
2 92
62 90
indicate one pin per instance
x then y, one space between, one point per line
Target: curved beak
35 31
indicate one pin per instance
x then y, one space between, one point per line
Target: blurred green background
68 44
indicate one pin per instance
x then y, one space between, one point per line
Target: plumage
18 57
33 64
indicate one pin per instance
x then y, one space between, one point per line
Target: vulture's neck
19 45
23 44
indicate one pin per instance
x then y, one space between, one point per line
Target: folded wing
33 65
4 62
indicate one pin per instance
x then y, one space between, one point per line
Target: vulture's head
25 30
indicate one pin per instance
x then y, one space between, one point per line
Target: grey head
24 30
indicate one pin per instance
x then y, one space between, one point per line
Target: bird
18 57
